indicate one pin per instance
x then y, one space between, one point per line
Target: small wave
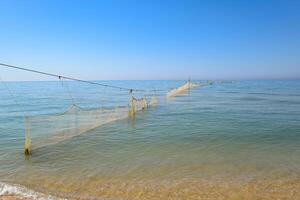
23 192
250 98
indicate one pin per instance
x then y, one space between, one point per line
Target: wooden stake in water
27 147
132 107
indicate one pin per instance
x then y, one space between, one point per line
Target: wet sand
182 190
12 197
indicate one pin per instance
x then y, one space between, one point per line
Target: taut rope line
74 79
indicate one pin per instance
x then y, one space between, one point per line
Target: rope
66 86
74 79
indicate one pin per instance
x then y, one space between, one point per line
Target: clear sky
152 39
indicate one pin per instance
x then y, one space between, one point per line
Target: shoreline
19 192
13 197
255 189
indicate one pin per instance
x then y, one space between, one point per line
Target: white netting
44 130
187 86
136 105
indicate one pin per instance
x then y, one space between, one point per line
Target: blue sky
152 39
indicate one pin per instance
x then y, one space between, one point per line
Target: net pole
27 147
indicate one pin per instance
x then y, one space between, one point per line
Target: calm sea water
237 140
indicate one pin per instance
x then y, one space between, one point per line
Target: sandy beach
13 197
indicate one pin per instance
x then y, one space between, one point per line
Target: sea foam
23 192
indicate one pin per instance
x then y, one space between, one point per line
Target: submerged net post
27 146
144 104
132 107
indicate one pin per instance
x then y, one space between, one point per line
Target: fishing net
136 105
187 86
48 129
44 130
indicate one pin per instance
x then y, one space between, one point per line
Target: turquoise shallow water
231 140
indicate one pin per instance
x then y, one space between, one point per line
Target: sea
222 140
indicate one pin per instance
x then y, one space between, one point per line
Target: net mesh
44 130
187 86
136 105
50 129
